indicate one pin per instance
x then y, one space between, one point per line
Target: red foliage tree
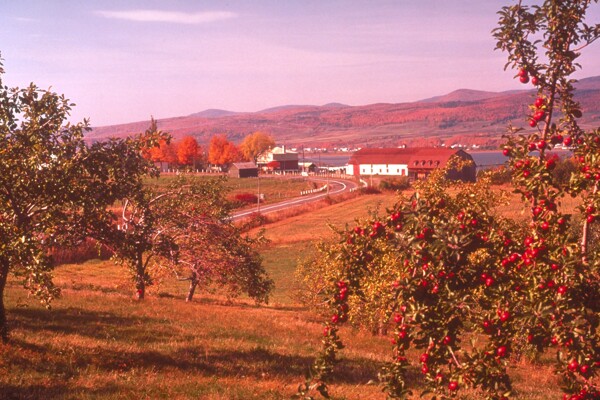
221 151
188 151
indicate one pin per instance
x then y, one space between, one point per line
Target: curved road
336 186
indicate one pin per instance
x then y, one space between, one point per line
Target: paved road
336 186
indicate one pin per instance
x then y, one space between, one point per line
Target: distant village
412 163
258 153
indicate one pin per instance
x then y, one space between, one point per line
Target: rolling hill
463 116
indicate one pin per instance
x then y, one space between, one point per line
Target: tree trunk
140 281
193 284
3 277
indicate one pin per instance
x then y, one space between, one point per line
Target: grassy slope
97 342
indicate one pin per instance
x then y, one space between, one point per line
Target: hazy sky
124 60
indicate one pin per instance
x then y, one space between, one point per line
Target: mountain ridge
464 115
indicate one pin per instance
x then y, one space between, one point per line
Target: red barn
416 163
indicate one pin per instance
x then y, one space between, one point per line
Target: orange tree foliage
222 152
254 144
188 151
441 268
166 151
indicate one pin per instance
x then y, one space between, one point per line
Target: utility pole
258 184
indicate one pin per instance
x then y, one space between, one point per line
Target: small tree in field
54 189
461 272
204 243
183 227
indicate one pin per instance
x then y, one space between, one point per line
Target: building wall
383 169
353 169
243 173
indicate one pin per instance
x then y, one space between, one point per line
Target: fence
311 191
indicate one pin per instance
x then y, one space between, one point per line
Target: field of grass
275 188
97 342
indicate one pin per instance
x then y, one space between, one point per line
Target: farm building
243 170
415 163
288 161
307 166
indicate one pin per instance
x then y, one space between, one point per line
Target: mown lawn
97 342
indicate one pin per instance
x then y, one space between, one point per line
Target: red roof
414 158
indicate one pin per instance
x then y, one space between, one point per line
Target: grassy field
97 342
275 188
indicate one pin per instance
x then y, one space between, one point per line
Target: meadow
97 342
274 188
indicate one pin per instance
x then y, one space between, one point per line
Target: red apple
573 365
539 102
561 290
501 351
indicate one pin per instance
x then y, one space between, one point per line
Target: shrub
497 176
395 184
370 190
246 198
87 250
564 169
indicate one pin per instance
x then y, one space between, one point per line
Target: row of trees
221 151
57 190
185 152
471 289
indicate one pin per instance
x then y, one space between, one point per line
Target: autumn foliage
186 152
222 152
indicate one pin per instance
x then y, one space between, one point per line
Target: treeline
187 152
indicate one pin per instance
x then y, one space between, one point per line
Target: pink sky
123 61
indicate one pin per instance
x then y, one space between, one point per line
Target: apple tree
463 272
208 249
54 189
183 227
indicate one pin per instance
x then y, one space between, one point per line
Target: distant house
415 163
243 170
307 166
288 160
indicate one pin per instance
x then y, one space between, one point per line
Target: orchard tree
255 144
54 189
124 170
208 248
457 269
185 228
